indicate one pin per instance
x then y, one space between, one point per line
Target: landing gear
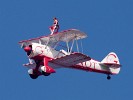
45 74
43 71
108 77
33 76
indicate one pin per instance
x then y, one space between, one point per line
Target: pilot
55 27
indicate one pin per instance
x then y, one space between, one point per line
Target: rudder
111 58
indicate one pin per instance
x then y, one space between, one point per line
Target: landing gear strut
108 77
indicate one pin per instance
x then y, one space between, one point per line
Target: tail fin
111 58
112 61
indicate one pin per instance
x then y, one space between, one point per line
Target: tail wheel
45 73
108 77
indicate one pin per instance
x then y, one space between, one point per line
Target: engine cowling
28 49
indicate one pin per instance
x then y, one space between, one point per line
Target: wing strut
77 45
72 46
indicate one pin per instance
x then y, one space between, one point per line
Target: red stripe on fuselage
80 67
91 69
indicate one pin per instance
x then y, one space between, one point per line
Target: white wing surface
51 40
70 60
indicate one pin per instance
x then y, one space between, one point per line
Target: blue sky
109 26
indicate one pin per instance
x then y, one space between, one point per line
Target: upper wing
69 35
70 60
51 40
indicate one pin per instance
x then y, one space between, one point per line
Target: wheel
33 76
45 74
108 77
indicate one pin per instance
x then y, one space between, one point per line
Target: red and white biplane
48 53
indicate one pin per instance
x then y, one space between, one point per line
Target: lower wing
70 60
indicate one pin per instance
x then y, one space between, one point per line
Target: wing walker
62 50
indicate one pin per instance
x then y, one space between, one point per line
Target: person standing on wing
55 27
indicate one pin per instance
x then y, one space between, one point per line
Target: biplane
48 53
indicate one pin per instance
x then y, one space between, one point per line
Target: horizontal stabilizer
71 59
111 65
111 60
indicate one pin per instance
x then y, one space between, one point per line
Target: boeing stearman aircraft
48 53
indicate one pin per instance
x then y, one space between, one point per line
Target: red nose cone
27 49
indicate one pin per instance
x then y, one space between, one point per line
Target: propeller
27 49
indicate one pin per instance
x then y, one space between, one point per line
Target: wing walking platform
70 60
